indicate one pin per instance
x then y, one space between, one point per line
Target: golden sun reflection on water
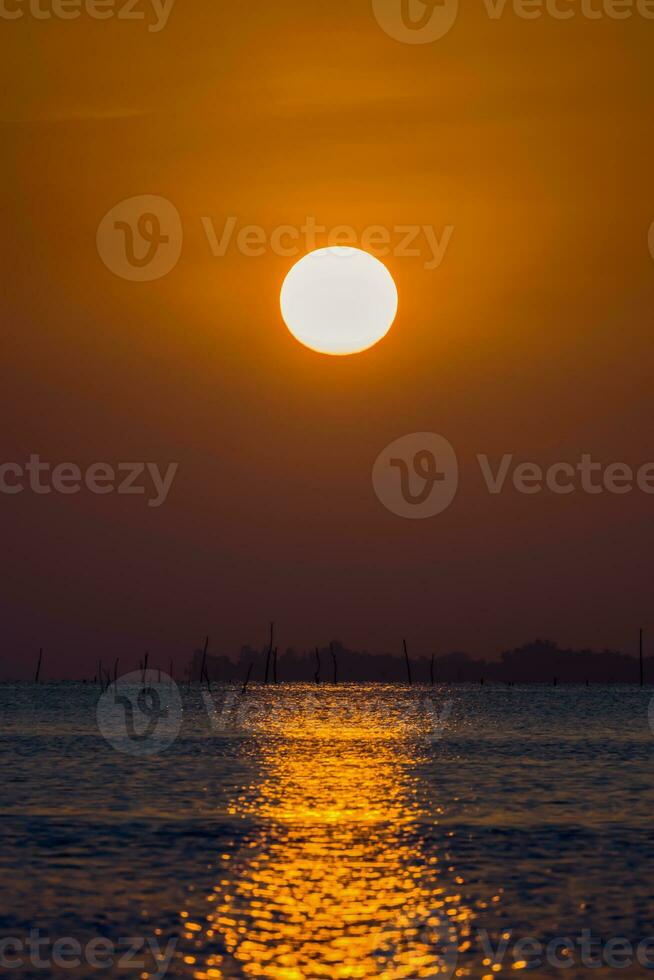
335 880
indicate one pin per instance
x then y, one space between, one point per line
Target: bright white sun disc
339 300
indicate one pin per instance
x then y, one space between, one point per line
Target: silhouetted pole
270 650
408 663
316 676
275 665
247 680
203 668
642 666
331 650
38 667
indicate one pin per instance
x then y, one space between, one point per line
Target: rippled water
368 831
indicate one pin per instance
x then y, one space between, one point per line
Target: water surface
358 831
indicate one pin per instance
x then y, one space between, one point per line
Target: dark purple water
347 832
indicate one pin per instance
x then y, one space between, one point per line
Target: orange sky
532 139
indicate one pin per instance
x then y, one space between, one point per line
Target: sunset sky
531 139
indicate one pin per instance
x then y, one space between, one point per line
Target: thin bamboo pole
408 663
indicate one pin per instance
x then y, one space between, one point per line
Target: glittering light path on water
334 879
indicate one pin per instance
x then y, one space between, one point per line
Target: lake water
329 832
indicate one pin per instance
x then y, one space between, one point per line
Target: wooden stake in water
408 663
316 676
331 650
270 650
247 680
275 665
38 667
203 668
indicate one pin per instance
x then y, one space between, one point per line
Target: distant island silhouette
537 662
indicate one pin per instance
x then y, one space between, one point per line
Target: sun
339 300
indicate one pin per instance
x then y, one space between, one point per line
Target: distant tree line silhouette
537 662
